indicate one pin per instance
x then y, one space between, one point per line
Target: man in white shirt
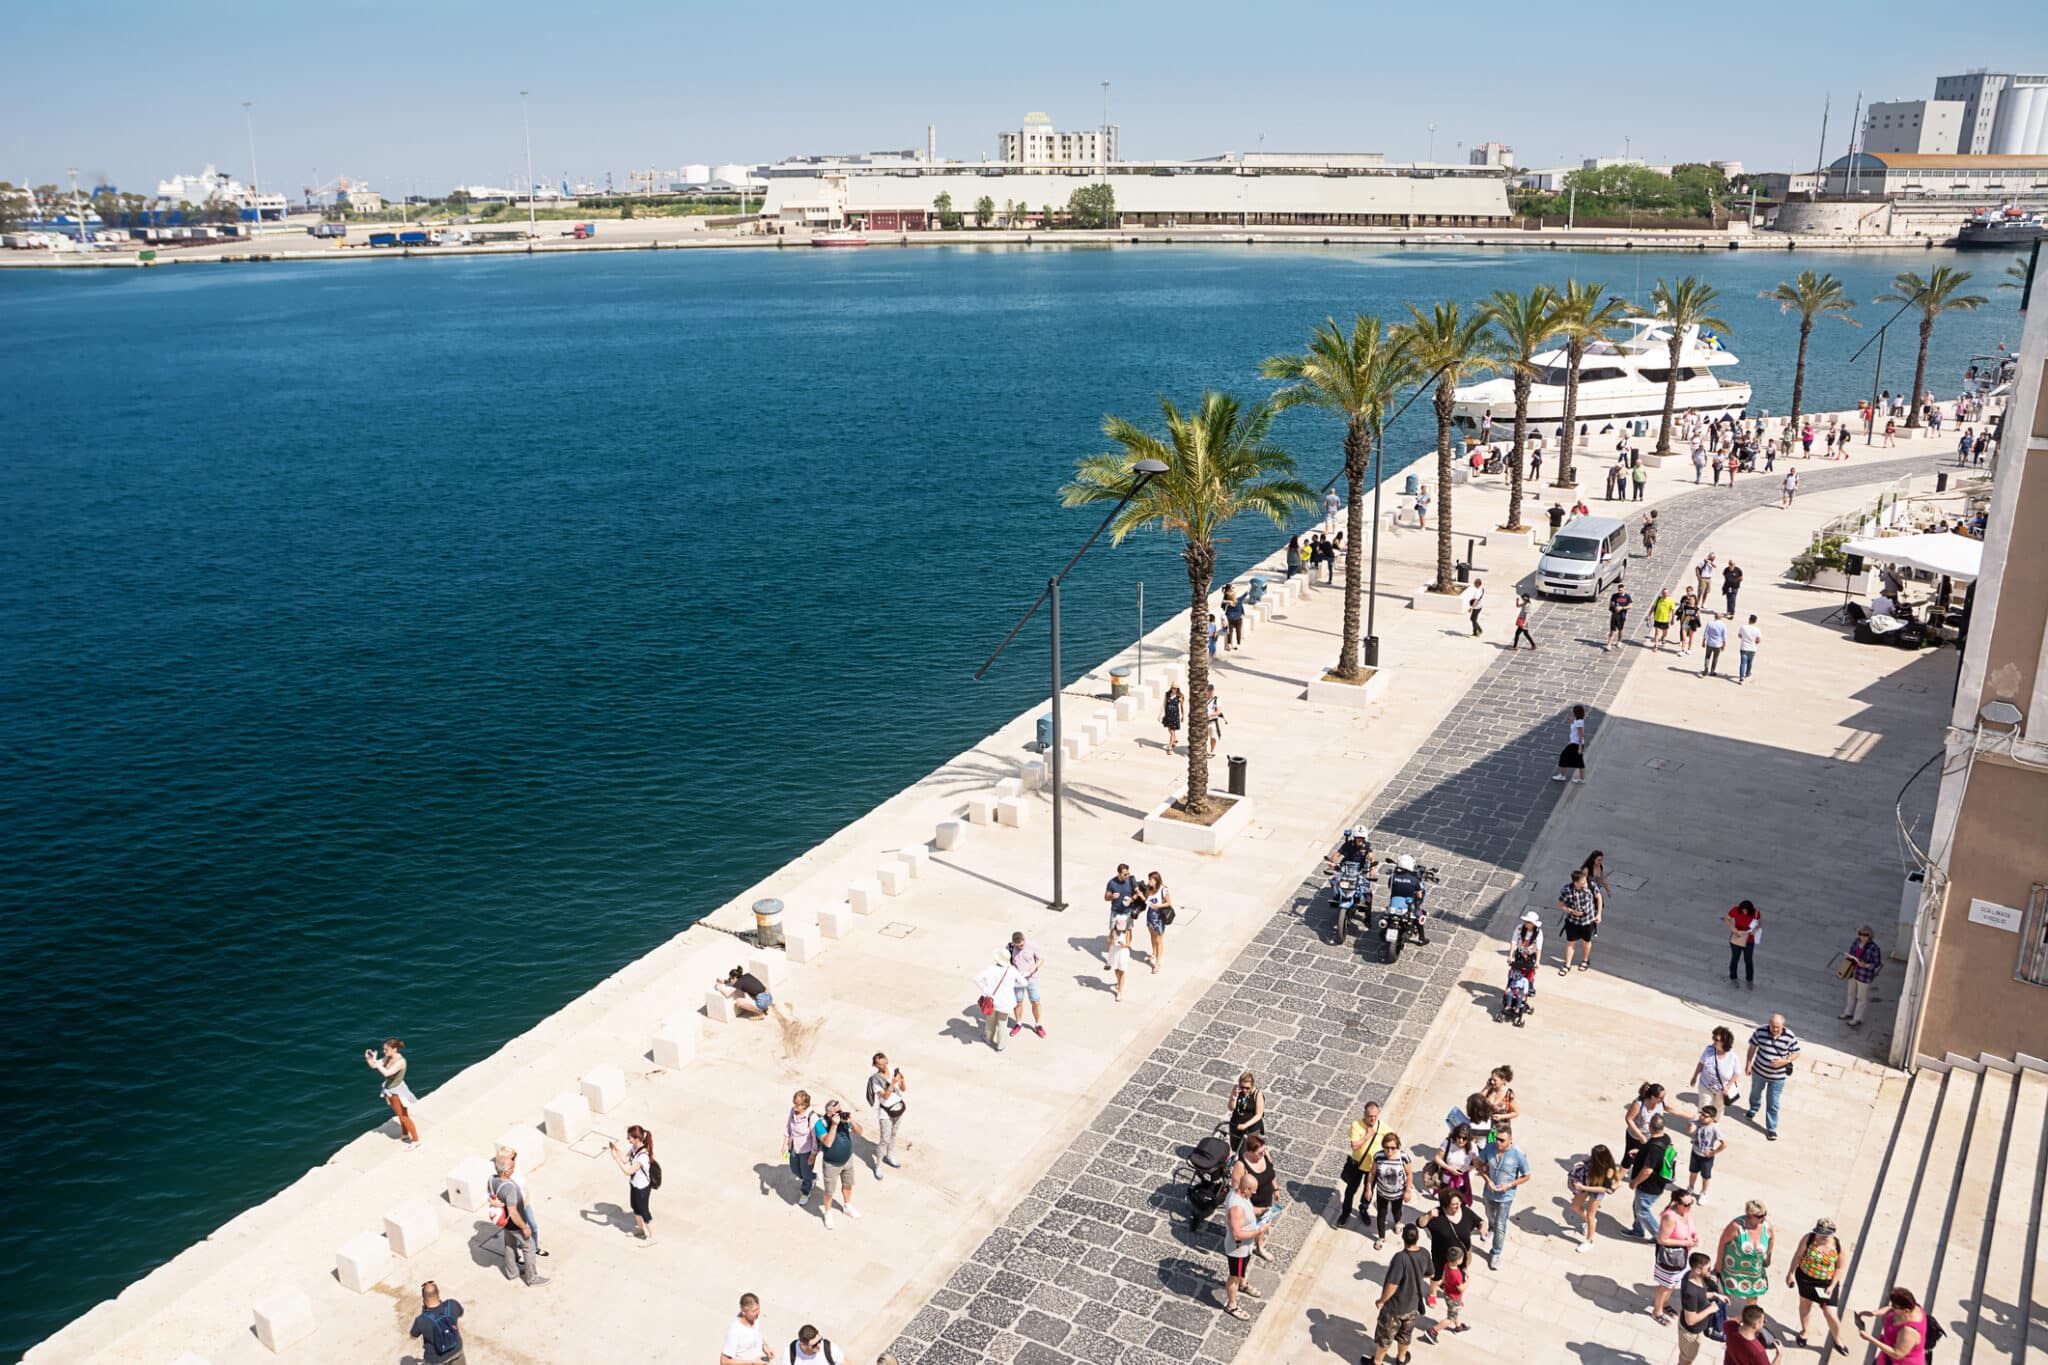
743 1344
1746 641
1475 597
1791 488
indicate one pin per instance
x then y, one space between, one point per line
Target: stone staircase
1955 1212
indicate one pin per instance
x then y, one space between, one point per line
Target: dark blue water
354 618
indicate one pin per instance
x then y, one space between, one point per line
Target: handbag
987 1005
1166 915
1673 1258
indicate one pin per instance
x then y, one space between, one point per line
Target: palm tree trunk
1919 376
1574 353
1670 393
1523 383
1445 578
1799 375
1200 558
1357 450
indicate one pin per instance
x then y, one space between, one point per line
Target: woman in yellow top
1363 1139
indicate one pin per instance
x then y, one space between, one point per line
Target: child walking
1707 1143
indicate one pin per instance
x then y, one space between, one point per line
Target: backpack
442 1336
653 1174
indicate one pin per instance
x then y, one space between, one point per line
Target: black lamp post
1146 471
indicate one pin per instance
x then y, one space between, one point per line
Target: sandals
1239 1314
1249 1292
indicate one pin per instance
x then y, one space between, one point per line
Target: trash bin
1237 774
1412 484
1941 481
1258 590
1464 572
768 923
1045 733
1119 685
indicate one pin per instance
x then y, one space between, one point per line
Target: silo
732 175
696 175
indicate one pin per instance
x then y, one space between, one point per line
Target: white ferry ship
1618 379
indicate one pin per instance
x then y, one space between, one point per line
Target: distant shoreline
304 249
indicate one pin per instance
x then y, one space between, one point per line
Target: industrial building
2002 114
1926 127
1256 190
1908 175
1037 143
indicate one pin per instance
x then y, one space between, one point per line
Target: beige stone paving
1700 793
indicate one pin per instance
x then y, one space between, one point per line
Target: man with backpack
810 1346
435 1326
1656 1165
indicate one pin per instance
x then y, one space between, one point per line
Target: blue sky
427 95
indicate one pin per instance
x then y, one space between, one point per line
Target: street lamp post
249 118
1877 374
1146 471
526 133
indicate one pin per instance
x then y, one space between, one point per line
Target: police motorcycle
1351 882
1403 919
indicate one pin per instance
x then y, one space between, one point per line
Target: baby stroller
1514 1001
1207 1173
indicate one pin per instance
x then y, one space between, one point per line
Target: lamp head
2001 713
1149 468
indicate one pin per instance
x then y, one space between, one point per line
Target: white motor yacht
1620 378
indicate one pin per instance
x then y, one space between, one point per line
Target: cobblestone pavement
1098 1263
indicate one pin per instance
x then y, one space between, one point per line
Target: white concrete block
1077 746
835 921
412 1227
469 1183
718 1007
283 1318
566 1117
1012 811
1097 730
917 860
865 896
675 1042
1009 786
803 945
951 834
531 1146
1031 772
362 1261
1127 707
771 965
981 810
604 1087
894 877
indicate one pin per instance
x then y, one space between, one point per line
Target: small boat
839 237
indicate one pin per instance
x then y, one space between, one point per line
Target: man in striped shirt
1772 1051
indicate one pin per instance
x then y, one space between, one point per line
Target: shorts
1617 620
1812 1290
843 1174
1702 1166
1027 990
1240 1266
642 1201
1580 931
763 1001
1393 1329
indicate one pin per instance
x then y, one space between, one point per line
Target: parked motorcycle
1351 893
1402 920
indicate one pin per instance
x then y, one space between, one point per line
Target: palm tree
1686 305
1449 348
1522 324
1933 296
1581 317
1810 296
2015 273
1220 465
1353 377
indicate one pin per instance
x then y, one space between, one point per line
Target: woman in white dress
1120 951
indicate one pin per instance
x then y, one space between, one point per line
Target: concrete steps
1957 1212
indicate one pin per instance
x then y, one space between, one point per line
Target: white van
1583 558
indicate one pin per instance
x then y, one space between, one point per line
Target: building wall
1040 145
1978 93
1927 126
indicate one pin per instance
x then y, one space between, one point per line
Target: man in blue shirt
1122 895
1506 1170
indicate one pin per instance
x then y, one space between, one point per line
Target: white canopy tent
1936 552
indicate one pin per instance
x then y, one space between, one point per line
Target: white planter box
1031 772
1166 833
1444 604
1012 811
1324 692
529 1144
917 858
981 810
893 878
836 921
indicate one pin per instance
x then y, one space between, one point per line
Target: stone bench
1097 730
981 810
675 1042
771 965
1012 811
865 897
531 1146
566 1117
1127 707
1077 746
1009 786
469 1184
412 1227
362 1261
916 859
283 1318
604 1088
893 877
1031 773
803 945
835 921
718 1008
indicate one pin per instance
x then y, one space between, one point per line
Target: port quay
1038 1214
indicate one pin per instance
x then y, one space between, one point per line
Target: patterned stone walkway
1097 1264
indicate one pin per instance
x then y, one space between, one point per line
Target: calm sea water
356 621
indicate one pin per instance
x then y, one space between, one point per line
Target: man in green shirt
1661 612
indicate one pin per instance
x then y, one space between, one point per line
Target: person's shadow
1341 1337
775 1179
611 1215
